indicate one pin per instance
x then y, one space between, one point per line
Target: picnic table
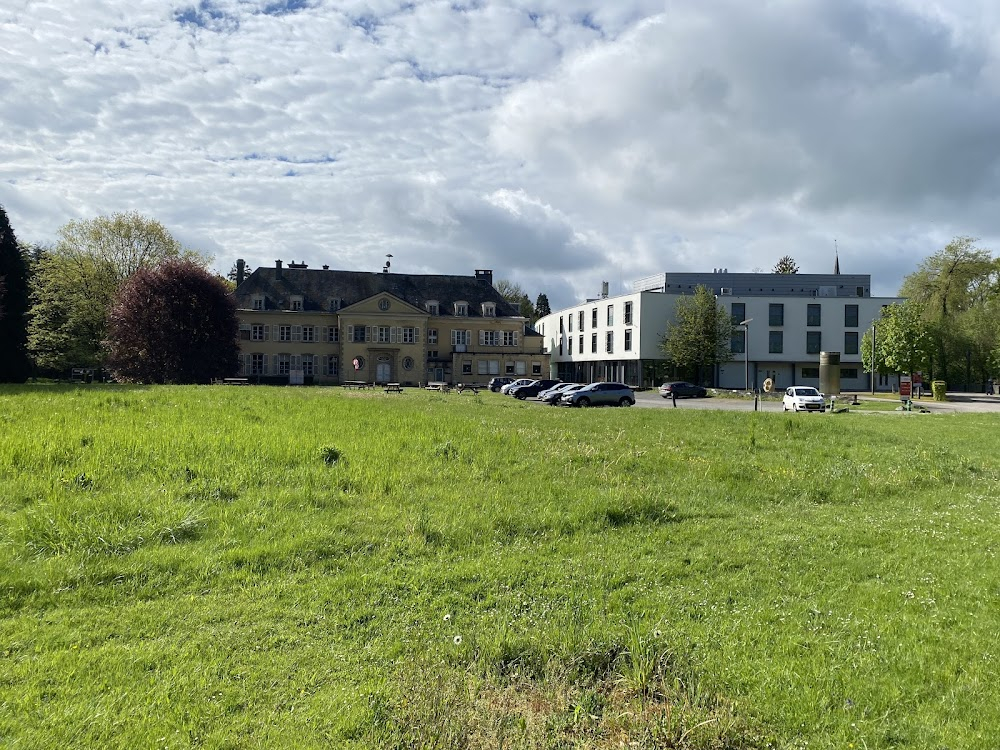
231 381
437 385
358 384
393 388
462 388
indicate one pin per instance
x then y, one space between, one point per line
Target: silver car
600 394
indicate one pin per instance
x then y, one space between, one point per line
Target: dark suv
497 383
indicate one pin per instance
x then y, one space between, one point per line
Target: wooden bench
393 388
437 385
462 388
231 381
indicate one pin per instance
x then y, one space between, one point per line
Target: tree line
118 293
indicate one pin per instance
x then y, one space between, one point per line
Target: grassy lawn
308 568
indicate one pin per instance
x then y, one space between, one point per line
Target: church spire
836 259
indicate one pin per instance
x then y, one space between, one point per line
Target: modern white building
792 319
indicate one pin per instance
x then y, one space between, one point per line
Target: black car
497 383
682 389
532 389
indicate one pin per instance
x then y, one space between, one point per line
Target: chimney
241 271
277 270
485 274
604 290
326 267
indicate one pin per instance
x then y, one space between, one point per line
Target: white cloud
560 142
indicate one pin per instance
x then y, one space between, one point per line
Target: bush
939 388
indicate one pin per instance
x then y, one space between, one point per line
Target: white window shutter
350 333
468 337
296 333
515 338
416 335
392 334
368 333
264 367
267 332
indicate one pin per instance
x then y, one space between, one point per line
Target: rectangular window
593 318
536 368
494 366
258 333
467 368
569 323
776 314
258 303
382 334
489 338
284 333
860 291
560 347
611 315
481 365
813 315
331 365
432 336
850 316
461 309
409 335
628 315
333 305
737 343
813 342
775 342
459 338
609 342
296 304
358 333
331 334
850 342
581 344
593 343
307 365
849 373
628 339
810 372
510 338
562 325
738 312
308 333
522 368
489 310
284 364
508 367
433 308
581 320
257 364
244 332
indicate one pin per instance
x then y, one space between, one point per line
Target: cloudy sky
559 142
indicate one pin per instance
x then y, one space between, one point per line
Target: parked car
600 394
505 389
803 398
682 389
496 383
532 389
554 392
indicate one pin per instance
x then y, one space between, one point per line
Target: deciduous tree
15 366
699 336
76 281
175 323
903 340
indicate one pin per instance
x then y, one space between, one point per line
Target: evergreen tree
785 265
542 306
175 323
15 366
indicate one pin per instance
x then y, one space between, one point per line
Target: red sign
904 387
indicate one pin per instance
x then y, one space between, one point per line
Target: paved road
958 403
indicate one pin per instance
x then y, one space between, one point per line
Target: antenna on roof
385 268
836 258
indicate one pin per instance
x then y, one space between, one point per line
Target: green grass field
308 568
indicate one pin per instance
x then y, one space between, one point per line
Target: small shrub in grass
330 454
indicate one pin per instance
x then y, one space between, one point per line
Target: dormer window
433 307
295 302
462 309
333 304
489 310
257 302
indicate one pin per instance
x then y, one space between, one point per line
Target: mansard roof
318 286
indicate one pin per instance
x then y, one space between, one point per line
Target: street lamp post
873 357
746 348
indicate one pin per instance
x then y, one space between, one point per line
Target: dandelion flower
458 640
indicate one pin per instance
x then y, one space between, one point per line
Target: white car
803 398
522 381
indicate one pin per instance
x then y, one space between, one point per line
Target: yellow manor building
303 325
